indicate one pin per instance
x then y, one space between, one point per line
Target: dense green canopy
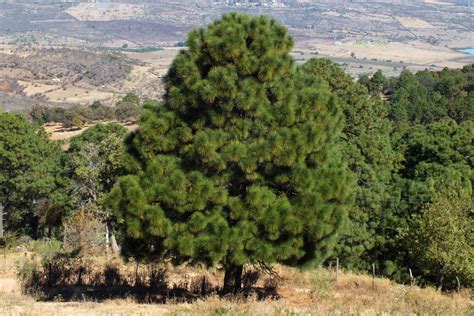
30 171
242 162
368 152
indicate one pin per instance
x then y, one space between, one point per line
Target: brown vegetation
299 292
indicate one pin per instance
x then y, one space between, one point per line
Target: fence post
373 275
3 242
412 279
1 220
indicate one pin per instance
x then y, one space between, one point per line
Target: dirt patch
105 11
411 52
414 23
5 87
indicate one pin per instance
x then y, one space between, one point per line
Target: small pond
468 50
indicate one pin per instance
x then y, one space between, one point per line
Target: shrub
84 234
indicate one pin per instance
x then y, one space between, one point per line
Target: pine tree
241 163
369 154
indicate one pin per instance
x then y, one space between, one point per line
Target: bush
28 272
10 240
84 234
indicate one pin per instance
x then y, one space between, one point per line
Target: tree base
233 280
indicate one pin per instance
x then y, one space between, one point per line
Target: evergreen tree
370 156
428 96
411 103
437 158
241 163
30 170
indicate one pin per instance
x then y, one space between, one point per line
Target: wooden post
412 279
1 221
107 242
337 268
3 241
459 283
373 275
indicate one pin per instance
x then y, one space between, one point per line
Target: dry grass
300 293
413 23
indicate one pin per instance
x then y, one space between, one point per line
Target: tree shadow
139 294
68 278
144 294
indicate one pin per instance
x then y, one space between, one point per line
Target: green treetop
241 163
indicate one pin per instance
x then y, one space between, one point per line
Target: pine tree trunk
233 279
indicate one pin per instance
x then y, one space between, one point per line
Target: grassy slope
302 293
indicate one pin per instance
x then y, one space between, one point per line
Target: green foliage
131 98
30 170
443 241
252 158
8 241
39 114
370 156
242 161
95 161
374 84
181 44
441 153
425 97
128 107
437 157
97 134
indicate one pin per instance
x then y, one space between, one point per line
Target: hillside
419 33
57 76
